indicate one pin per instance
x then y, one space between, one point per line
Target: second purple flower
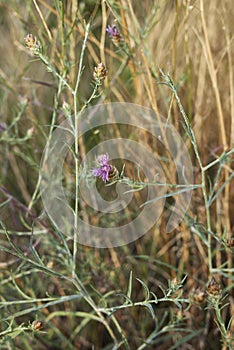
114 34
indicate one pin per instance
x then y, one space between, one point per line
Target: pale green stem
53 70
55 109
228 342
218 160
170 83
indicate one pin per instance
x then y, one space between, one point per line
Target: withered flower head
214 288
100 72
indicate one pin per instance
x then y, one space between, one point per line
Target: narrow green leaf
145 288
151 310
129 292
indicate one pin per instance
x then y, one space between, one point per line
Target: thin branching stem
169 82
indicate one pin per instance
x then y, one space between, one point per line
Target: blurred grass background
193 41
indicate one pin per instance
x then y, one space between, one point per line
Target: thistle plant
165 290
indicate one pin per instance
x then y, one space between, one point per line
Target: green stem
53 70
224 334
143 303
169 82
55 109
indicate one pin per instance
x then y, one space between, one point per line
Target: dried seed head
214 288
37 325
100 72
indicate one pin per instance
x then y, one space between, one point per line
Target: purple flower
114 34
104 168
112 31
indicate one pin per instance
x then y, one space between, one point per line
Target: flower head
32 43
114 34
214 288
105 171
104 168
100 72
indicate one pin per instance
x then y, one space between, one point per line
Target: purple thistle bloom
104 168
114 34
112 31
